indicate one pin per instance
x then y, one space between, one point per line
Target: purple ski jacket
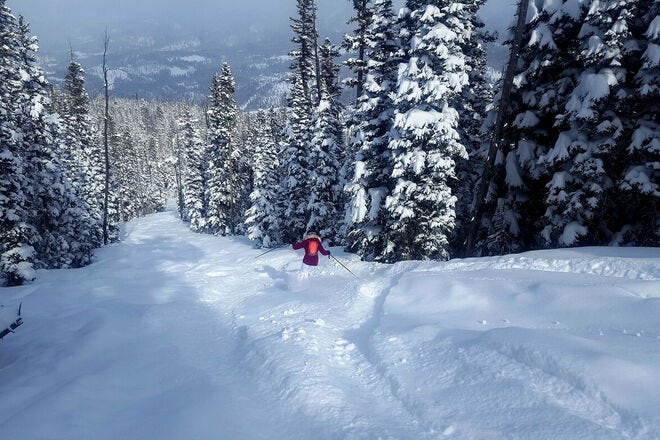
313 246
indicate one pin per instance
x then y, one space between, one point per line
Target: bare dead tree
496 140
106 119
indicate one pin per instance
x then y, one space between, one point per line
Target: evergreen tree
472 106
245 151
195 171
59 215
16 251
128 182
358 44
263 219
222 190
578 128
545 78
44 218
329 69
425 141
368 167
639 179
296 187
326 148
306 94
590 127
83 156
305 65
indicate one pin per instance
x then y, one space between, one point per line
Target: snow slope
172 335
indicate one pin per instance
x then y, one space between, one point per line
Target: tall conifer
425 142
222 191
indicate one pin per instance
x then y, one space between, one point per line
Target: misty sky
58 21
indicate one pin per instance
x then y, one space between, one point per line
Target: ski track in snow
172 335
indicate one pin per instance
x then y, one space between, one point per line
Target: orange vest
313 247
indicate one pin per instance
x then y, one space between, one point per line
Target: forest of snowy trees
385 162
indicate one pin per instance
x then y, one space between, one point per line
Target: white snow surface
173 335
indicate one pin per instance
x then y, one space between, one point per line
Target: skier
312 244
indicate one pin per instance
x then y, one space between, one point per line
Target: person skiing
312 244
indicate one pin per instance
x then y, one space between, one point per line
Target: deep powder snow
173 335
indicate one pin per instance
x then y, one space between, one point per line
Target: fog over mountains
169 49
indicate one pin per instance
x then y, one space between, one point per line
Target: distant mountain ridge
168 50
180 67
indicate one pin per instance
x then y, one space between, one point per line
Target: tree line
53 206
385 162
392 173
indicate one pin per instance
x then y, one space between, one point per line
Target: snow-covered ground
173 335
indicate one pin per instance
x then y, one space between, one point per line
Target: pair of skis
13 326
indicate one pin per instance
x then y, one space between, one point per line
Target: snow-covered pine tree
64 103
545 78
151 196
326 147
178 161
263 217
472 105
141 140
128 182
305 56
368 166
195 171
639 179
425 141
494 125
84 158
591 129
329 69
305 95
278 121
221 191
16 251
245 134
52 227
357 44
152 144
57 212
296 186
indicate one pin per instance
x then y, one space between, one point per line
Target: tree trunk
496 140
317 62
360 74
361 9
106 197
179 177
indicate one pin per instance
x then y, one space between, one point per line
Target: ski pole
342 265
271 250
